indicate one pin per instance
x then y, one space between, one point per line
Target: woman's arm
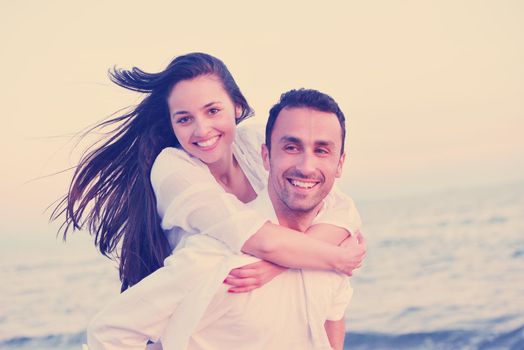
289 248
142 312
189 197
328 233
334 223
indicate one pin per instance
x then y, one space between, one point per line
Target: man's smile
303 183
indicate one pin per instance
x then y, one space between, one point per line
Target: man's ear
340 165
265 156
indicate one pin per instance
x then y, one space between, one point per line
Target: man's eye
322 151
291 148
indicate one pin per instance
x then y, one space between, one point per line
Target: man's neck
293 219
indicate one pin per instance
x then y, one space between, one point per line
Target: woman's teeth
207 143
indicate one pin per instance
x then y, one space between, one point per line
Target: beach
443 271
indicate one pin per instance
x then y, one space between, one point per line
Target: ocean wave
47 342
438 340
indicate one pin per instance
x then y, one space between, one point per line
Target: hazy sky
434 90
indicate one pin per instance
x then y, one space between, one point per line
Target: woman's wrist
338 258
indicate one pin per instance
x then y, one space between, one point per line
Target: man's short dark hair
305 98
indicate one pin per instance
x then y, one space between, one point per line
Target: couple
179 155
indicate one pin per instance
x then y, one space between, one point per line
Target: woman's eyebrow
179 112
203 107
210 104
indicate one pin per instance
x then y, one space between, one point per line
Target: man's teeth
303 184
208 143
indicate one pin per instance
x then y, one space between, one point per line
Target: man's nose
306 164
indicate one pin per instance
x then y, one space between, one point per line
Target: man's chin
302 205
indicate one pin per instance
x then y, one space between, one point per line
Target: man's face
304 159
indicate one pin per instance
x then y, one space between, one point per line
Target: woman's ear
238 112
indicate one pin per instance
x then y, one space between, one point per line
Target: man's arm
336 331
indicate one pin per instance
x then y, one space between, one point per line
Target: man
298 309
303 154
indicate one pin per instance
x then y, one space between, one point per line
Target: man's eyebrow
325 143
203 107
291 139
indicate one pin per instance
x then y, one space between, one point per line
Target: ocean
443 271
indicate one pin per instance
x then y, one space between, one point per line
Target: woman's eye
213 110
183 120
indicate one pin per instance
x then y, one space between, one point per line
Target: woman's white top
189 200
169 303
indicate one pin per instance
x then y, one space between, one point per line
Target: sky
433 90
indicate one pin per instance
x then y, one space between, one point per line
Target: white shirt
287 313
190 201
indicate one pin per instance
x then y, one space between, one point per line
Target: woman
173 167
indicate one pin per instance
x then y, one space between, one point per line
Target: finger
240 282
348 273
243 272
249 266
242 289
253 265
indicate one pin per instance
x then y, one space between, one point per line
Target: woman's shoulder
250 135
172 160
172 156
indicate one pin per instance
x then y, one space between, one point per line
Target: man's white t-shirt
287 313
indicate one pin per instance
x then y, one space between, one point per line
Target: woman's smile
208 144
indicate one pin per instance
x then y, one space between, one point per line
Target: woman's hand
353 255
252 276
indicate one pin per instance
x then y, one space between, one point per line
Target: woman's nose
202 127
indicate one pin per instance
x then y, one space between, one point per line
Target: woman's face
203 118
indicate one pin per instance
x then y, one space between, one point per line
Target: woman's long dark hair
111 193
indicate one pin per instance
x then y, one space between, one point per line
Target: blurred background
433 92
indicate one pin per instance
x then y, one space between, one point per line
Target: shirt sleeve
189 197
341 299
142 312
339 210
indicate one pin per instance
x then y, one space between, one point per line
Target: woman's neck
229 175
224 170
